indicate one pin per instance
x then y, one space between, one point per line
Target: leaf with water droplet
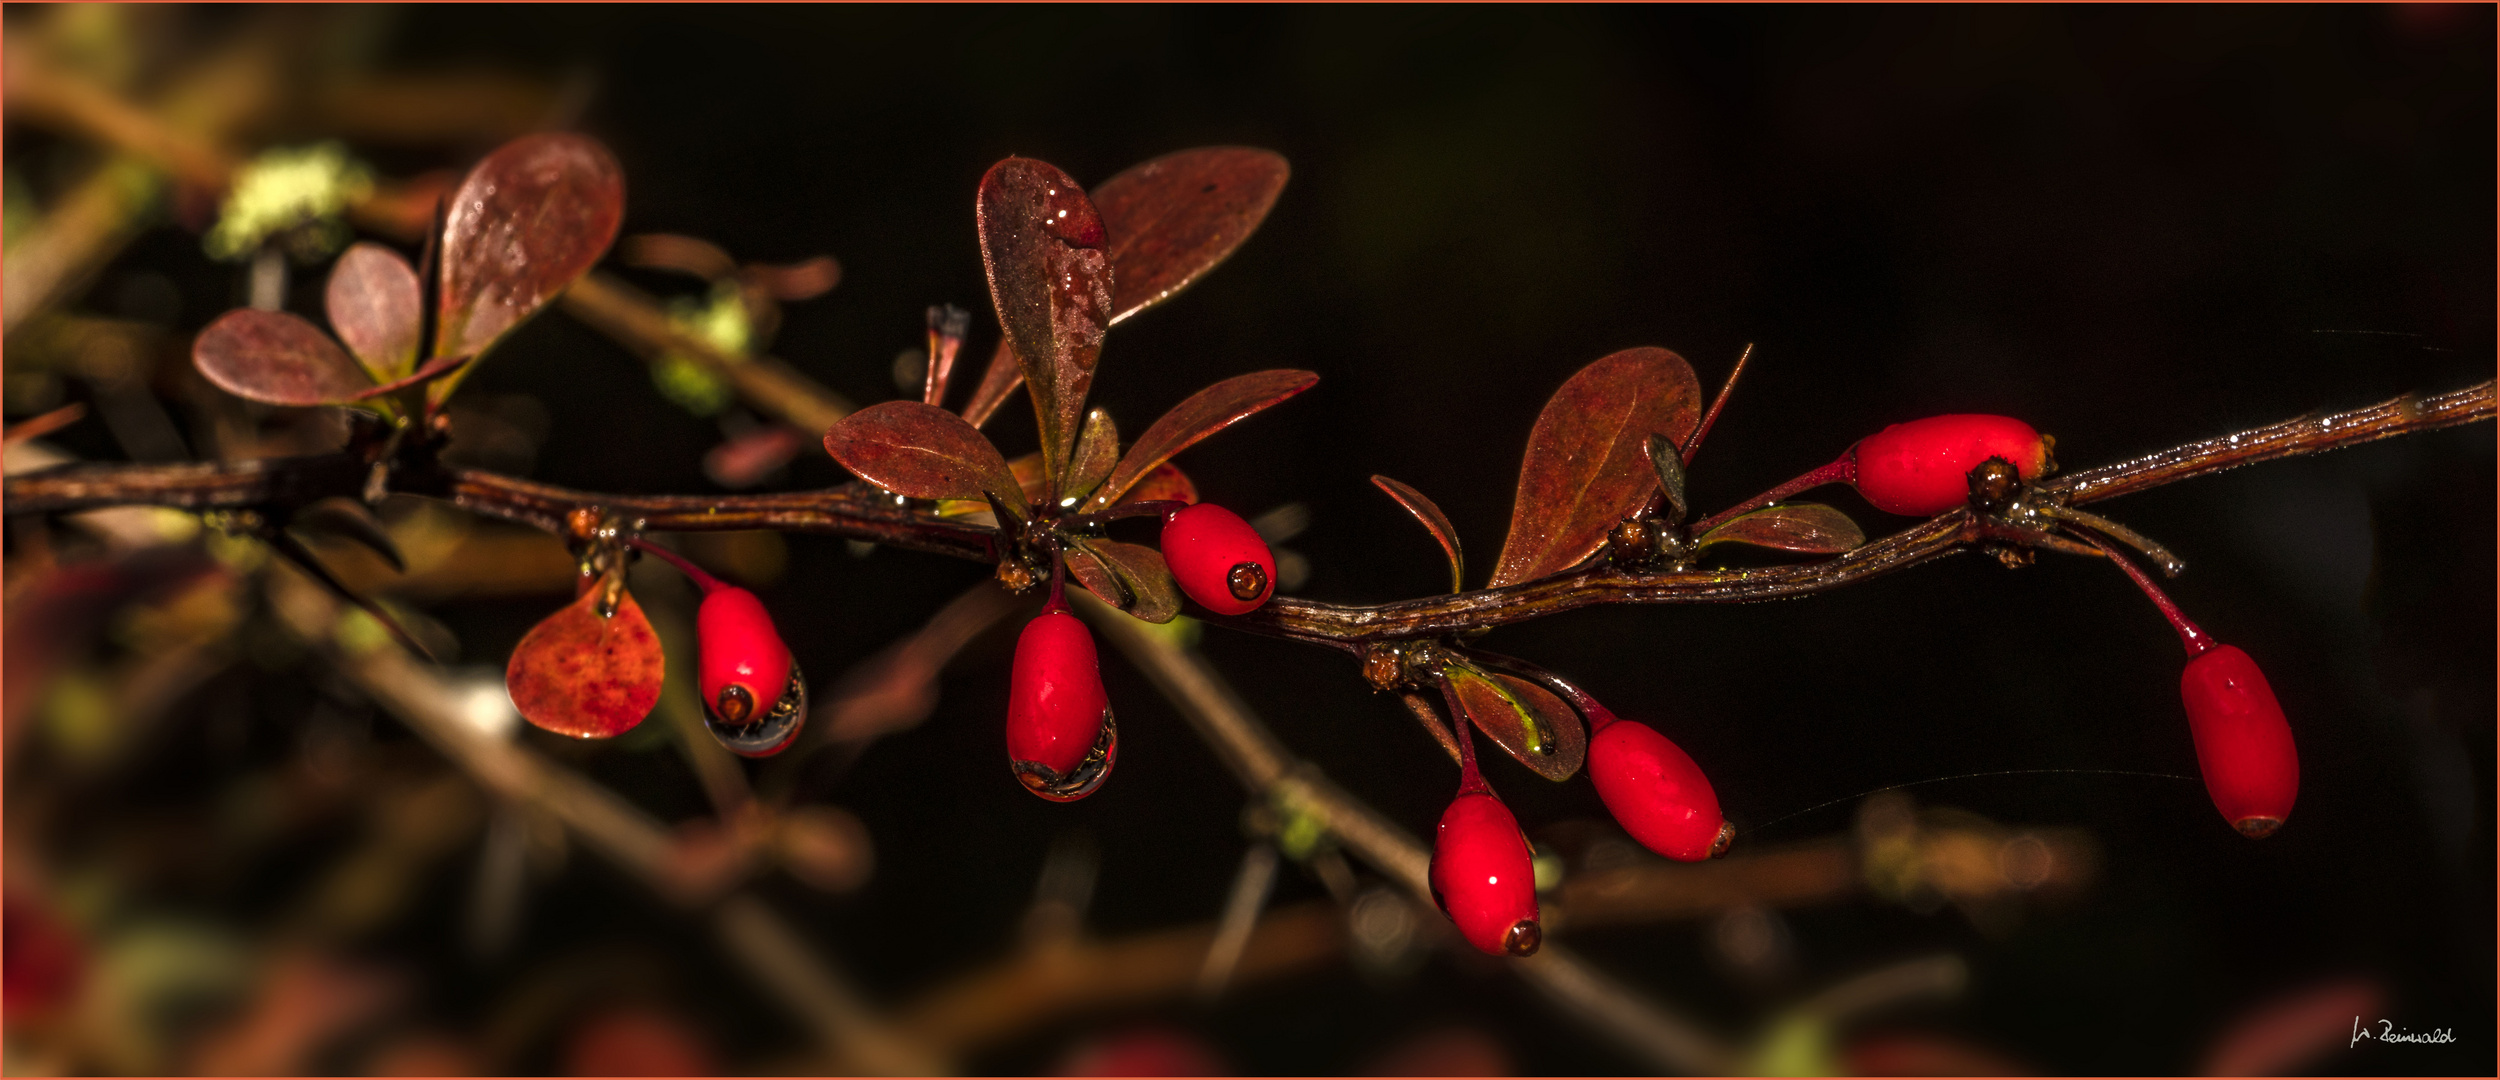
922 451
1204 413
1586 467
1811 528
1170 220
589 676
1527 721
530 219
1042 245
1434 521
277 358
1097 450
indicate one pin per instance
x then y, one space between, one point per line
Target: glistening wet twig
862 513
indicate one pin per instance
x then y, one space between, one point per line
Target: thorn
1693 445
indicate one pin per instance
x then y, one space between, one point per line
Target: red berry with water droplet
1482 876
1218 559
1922 467
754 697
1061 741
1657 793
2243 744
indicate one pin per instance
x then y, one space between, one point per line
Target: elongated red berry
1921 467
1482 877
2243 744
1218 559
753 693
1061 741
1656 793
754 696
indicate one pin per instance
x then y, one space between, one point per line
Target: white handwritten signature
2387 1033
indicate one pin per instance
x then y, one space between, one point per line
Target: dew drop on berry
1080 781
766 734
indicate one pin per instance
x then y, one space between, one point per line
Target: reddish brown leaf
922 451
1170 221
376 307
1176 217
529 219
1433 521
1097 450
1029 478
578 674
1501 706
1003 376
1204 413
1142 584
1042 244
278 358
1812 528
1586 468
1167 483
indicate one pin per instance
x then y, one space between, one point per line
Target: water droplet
770 733
1080 781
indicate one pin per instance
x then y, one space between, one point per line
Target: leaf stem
1842 471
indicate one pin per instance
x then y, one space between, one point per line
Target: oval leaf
377 307
1812 528
1170 221
1206 412
578 674
922 451
1433 521
1042 245
1142 584
1176 217
1097 450
277 358
1586 467
1501 706
529 219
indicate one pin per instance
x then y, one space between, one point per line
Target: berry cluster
1481 861
1602 482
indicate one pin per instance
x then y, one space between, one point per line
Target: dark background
2133 227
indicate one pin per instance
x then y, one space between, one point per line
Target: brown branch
861 513
1603 584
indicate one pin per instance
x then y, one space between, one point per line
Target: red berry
1482 878
1920 468
2242 742
1218 559
754 697
1060 738
1656 792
